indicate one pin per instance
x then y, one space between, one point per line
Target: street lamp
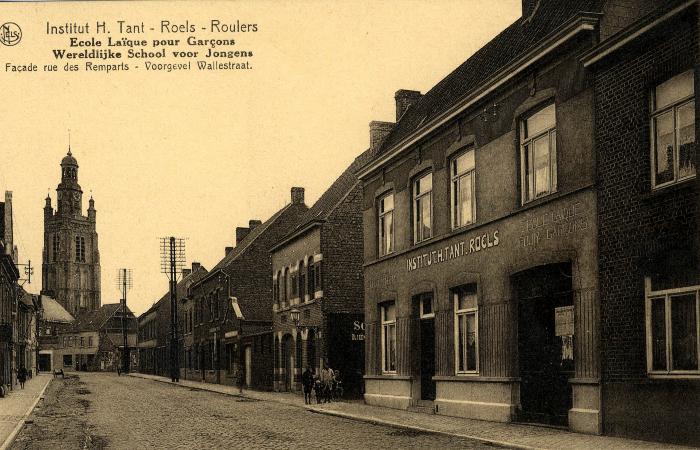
294 315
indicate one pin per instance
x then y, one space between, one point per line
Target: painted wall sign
358 330
564 321
453 251
555 223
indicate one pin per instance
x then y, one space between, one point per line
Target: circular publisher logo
10 34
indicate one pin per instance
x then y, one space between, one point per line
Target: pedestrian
307 381
22 376
327 382
318 388
239 379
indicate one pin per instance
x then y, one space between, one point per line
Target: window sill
474 377
387 376
657 192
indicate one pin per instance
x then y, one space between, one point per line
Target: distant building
317 288
71 257
154 326
10 295
53 323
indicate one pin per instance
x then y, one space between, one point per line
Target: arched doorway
288 362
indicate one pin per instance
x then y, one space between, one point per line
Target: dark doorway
287 349
427 346
545 358
45 362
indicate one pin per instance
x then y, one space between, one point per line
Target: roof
95 320
54 312
248 240
330 199
502 51
181 289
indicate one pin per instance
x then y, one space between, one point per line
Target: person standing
239 378
307 381
22 376
327 382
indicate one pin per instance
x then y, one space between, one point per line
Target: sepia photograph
349 224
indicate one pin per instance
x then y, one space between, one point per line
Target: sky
196 154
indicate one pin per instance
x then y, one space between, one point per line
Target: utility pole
125 282
172 252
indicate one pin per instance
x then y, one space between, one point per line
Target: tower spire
69 152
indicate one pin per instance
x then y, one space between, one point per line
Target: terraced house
480 233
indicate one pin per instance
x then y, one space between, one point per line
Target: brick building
480 241
645 79
230 309
317 288
154 325
54 322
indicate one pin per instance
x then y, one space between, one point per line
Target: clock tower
71 259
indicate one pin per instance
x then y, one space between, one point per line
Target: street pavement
96 411
17 405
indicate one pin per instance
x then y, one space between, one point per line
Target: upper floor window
423 208
79 249
302 280
463 200
673 130
538 154
672 330
386 224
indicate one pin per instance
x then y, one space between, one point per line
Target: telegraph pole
172 252
125 282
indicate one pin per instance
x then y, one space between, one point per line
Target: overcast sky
195 154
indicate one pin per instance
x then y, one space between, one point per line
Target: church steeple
70 195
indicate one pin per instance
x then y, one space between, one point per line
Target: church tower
71 258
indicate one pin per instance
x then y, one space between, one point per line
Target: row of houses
18 309
521 244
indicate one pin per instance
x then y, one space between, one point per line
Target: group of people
327 385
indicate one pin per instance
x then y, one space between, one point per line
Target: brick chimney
298 195
405 98
196 266
252 224
241 233
228 250
186 272
378 131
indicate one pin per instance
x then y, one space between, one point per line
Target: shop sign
453 251
553 224
358 331
564 321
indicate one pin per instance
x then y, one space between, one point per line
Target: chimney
404 99
228 250
378 131
298 195
252 224
196 266
529 7
186 272
241 233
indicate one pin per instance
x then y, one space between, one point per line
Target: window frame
667 294
524 141
457 313
654 113
386 324
457 177
416 197
381 251
421 310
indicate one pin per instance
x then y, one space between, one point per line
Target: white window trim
453 178
429 315
383 339
553 168
457 313
416 198
652 129
380 228
667 293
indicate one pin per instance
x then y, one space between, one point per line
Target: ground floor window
466 329
67 360
388 313
673 330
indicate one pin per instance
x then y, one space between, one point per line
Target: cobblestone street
106 411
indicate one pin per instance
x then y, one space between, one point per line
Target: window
56 246
67 360
388 312
82 342
672 318
423 208
90 341
285 287
466 329
463 199
538 154
302 280
673 130
312 278
426 306
295 284
79 249
386 225
318 275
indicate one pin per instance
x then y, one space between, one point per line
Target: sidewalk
17 406
503 434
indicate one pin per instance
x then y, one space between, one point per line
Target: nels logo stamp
10 34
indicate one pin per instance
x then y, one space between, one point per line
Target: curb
13 435
357 418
